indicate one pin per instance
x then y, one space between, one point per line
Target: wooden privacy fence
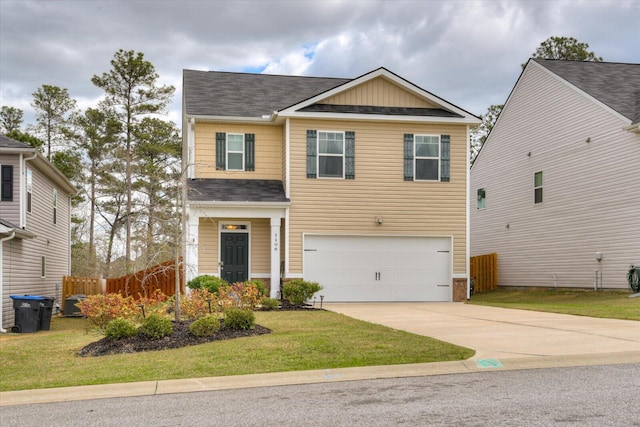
160 277
73 285
484 272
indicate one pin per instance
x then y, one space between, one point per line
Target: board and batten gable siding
10 210
268 151
22 257
590 189
340 206
378 92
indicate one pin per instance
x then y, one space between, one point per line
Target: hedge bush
205 326
269 304
240 319
155 326
208 282
298 291
120 328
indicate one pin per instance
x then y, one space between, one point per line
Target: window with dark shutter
6 183
350 155
249 152
408 157
312 147
445 155
221 155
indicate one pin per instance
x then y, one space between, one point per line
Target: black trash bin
27 313
46 308
70 309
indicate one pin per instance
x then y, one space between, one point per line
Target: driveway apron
502 333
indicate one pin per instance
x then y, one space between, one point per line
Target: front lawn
607 304
300 340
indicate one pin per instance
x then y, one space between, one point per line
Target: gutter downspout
13 234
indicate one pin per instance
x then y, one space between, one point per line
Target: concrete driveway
498 333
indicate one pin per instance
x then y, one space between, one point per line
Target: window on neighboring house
43 267
29 189
427 157
6 182
331 154
482 197
537 187
55 206
235 151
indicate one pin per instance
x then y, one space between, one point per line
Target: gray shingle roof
6 142
366 109
614 84
214 93
236 190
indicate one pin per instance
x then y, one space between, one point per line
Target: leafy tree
26 138
567 48
131 92
53 108
479 134
10 119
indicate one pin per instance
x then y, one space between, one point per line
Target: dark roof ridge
591 62
267 74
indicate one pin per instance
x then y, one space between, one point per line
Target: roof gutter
244 204
267 118
4 239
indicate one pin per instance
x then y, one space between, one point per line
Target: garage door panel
379 268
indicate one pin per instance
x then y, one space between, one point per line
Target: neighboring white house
35 212
558 179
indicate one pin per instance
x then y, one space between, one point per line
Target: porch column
275 257
191 248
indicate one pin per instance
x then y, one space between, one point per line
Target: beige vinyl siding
10 211
379 92
209 245
268 151
337 206
22 258
590 189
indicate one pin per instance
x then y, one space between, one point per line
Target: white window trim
478 200
227 152
541 187
29 191
416 158
343 155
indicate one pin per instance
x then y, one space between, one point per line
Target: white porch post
191 247
275 257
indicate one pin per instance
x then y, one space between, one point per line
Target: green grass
300 341
607 304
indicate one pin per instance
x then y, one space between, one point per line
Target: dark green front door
234 254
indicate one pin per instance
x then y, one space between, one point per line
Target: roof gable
616 85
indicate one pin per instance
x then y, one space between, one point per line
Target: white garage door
379 268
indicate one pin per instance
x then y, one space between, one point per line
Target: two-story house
555 190
35 213
358 184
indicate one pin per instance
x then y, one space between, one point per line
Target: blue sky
467 52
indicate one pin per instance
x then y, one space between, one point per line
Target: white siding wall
21 258
590 189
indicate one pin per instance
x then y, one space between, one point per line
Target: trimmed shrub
298 291
205 326
208 282
155 326
258 284
237 318
198 303
120 328
157 302
239 295
269 304
102 309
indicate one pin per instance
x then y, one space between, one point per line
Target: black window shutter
445 156
312 150
408 157
249 152
350 155
221 152
6 183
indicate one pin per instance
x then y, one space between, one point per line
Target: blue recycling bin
27 313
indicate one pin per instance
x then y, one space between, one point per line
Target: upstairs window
427 157
331 154
6 191
55 206
235 151
482 198
537 187
29 189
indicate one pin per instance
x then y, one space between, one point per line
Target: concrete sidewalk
503 339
